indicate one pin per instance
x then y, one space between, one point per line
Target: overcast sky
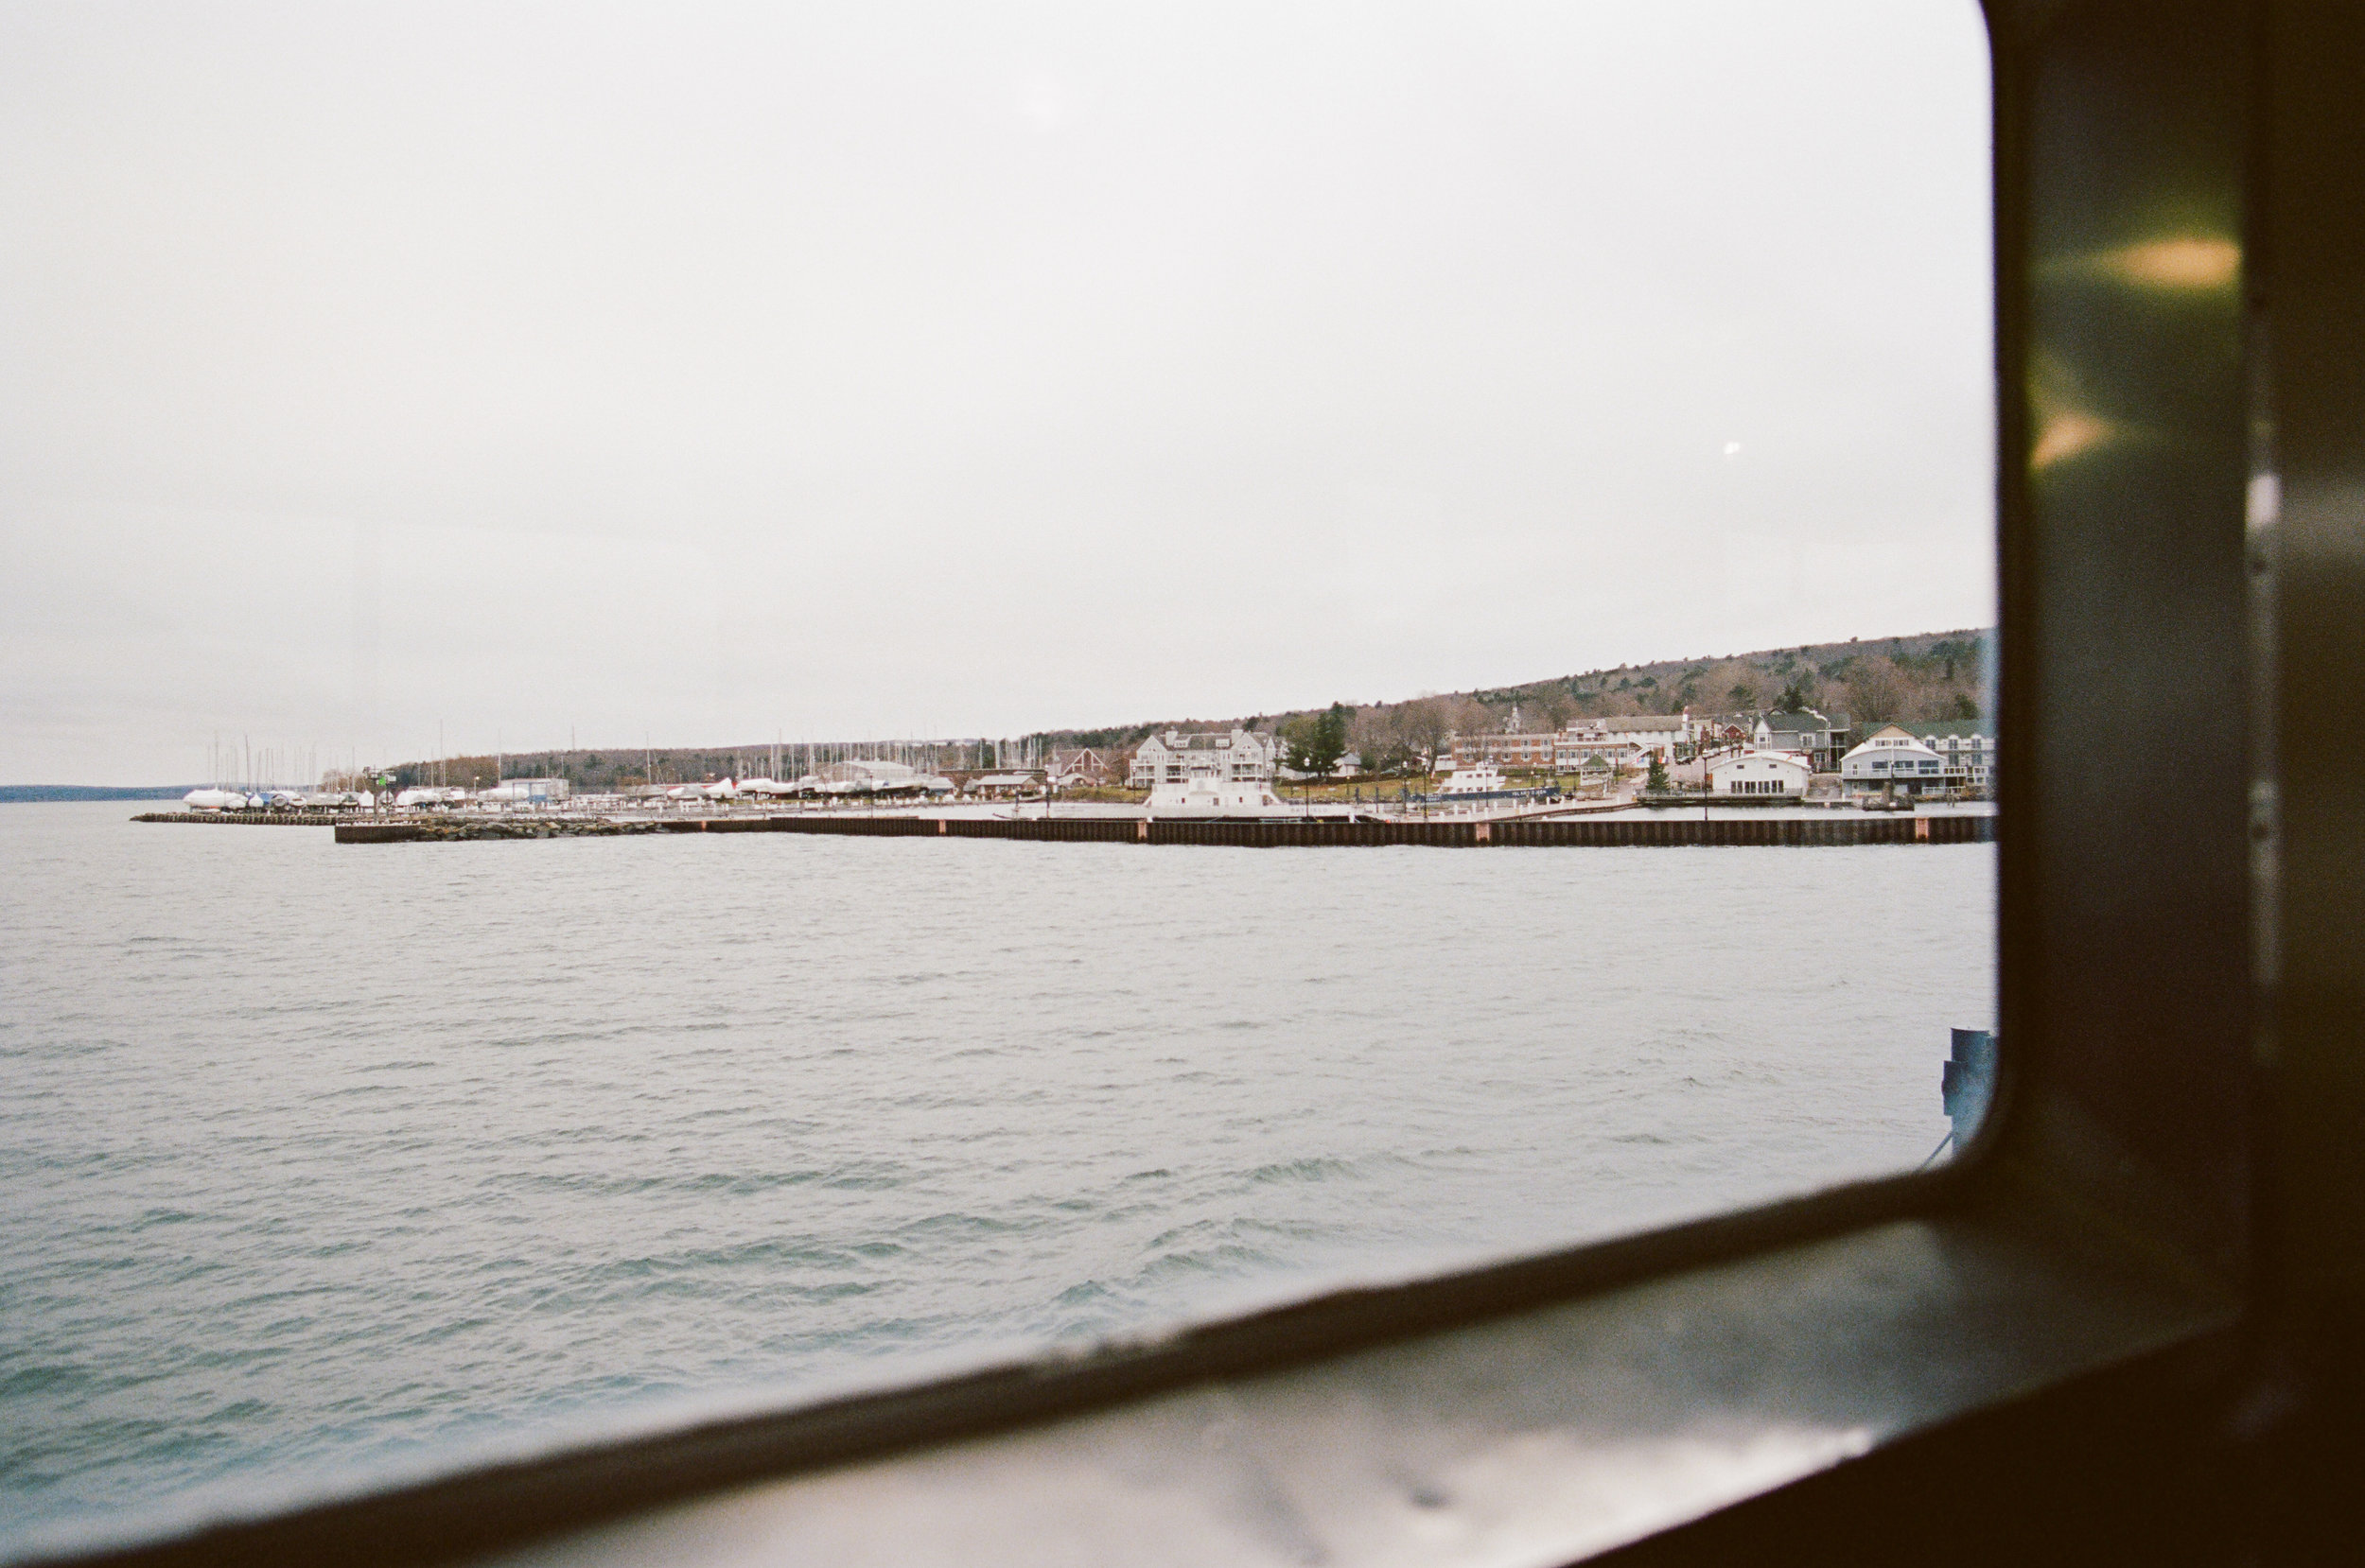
708 373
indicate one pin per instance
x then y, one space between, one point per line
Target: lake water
322 1162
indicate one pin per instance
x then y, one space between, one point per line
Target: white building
1891 757
1239 757
1761 772
1966 745
1575 755
1634 737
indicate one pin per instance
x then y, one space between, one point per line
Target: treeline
1870 682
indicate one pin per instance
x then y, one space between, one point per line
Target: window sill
1533 1412
1607 1398
1537 1439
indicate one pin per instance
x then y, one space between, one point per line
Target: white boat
1202 795
214 800
1479 779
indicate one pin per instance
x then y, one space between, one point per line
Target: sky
702 373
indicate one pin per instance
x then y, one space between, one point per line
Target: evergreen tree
1316 743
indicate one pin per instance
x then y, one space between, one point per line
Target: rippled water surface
317 1162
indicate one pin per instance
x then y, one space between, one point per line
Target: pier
244 819
1625 832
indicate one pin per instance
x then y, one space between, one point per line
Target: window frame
2176 1094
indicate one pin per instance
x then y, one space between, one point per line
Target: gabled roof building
1822 737
1967 745
1891 758
1234 757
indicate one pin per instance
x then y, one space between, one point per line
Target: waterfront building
1762 773
1237 756
1004 785
1632 737
1078 769
1822 737
1528 750
1891 758
1966 745
1573 753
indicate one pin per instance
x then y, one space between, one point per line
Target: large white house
1761 772
1966 745
1891 757
1240 757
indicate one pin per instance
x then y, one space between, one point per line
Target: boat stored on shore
1478 778
1204 797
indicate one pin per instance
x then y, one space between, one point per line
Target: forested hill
1928 676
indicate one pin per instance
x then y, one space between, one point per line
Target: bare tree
1468 716
1383 738
1552 709
1423 724
1877 693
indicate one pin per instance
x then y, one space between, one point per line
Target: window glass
604 436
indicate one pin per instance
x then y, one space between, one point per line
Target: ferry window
734 416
